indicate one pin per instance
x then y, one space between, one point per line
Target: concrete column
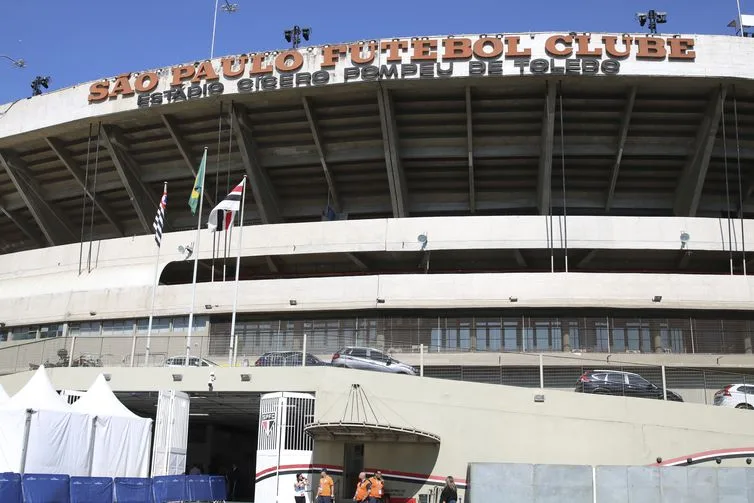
654 332
747 339
565 336
566 341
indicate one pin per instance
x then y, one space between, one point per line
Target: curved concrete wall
714 56
44 285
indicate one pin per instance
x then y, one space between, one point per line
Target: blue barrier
48 488
198 488
91 490
217 486
133 490
43 488
10 488
169 488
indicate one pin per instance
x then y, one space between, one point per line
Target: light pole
18 63
230 8
294 35
654 17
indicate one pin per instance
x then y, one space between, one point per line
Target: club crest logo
268 423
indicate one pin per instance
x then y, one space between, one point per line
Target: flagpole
154 294
233 340
196 266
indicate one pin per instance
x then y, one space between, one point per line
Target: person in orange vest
325 491
375 490
362 489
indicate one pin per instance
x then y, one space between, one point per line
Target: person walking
449 492
325 491
362 489
300 488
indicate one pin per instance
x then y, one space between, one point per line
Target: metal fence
552 370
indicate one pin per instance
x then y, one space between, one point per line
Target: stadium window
159 325
117 327
435 339
50 331
619 338
527 336
602 332
488 334
510 335
85 329
542 334
556 337
180 323
24 333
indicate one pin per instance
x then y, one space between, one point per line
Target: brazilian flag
196 192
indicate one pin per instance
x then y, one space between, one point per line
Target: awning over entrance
369 432
361 424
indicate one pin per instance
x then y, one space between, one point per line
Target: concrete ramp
528 483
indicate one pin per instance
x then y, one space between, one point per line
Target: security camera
211 381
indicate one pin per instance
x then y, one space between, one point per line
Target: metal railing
559 371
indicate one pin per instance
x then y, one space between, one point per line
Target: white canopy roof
3 395
100 400
37 394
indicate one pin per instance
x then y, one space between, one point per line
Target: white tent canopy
39 433
3 395
121 438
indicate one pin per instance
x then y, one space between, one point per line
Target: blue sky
78 41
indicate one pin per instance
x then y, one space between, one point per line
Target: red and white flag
221 216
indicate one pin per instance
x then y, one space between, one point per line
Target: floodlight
38 83
294 35
653 17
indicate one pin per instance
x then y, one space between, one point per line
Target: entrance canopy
369 432
363 425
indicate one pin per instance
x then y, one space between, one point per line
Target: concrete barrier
527 483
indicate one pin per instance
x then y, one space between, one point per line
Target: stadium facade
481 207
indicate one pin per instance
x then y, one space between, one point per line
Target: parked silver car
370 359
194 361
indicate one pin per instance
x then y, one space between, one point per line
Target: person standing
375 489
362 489
325 492
449 492
300 487
233 478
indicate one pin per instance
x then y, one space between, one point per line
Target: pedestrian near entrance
449 492
300 487
325 492
362 489
375 489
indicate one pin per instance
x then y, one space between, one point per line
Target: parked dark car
614 382
287 359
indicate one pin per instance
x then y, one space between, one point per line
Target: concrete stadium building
505 210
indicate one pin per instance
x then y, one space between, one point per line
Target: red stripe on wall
713 453
334 468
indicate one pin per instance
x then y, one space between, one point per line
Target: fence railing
559 371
